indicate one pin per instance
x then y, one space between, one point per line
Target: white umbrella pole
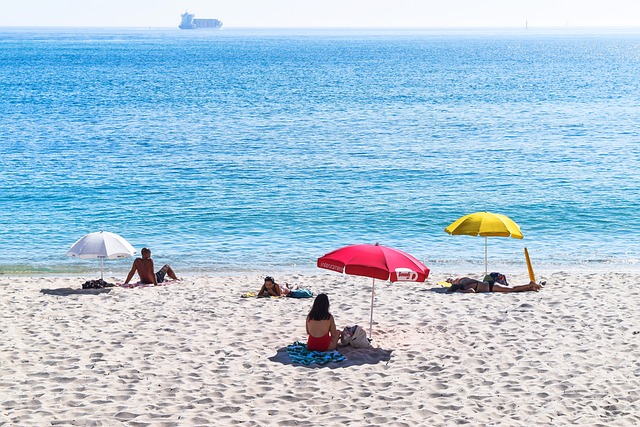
373 288
101 268
485 255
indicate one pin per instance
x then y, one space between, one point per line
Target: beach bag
301 293
355 336
496 278
96 284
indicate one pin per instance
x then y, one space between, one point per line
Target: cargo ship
190 23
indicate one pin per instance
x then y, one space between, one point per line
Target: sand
195 353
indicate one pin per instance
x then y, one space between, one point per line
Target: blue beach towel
299 353
301 293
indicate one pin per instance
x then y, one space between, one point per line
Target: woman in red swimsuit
321 328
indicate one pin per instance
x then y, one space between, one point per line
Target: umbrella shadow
64 292
354 357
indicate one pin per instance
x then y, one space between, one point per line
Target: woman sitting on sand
467 284
321 328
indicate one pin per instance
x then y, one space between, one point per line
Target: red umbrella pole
373 289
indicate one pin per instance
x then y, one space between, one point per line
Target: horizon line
586 27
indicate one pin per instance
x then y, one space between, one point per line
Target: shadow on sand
64 292
354 357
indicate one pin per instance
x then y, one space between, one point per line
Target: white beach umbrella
101 245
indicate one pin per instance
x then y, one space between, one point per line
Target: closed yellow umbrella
485 224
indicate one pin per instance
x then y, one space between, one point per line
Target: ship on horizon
190 23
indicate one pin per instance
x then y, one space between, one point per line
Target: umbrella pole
485 255
101 268
371 319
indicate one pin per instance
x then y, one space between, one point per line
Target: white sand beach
196 354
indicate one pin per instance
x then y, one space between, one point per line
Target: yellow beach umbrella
485 224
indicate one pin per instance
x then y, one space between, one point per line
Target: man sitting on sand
144 267
467 284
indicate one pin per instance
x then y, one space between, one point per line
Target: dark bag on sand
496 278
96 284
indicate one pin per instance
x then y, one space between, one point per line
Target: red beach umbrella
375 261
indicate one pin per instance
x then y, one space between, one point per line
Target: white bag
355 336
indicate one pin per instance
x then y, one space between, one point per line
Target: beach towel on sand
299 353
249 295
145 285
252 294
301 293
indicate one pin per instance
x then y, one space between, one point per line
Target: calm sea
262 150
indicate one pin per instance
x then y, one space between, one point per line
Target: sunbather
270 288
144 267
467 284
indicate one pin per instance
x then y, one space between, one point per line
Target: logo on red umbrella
330 266
406 275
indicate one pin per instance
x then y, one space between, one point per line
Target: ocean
259 150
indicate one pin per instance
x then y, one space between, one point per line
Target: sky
325 13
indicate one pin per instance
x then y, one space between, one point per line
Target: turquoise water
230 150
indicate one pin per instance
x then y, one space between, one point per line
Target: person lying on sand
144 267
469 285
273 289
270 288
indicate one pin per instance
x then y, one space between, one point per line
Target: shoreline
436 270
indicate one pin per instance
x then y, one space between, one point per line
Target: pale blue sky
325 13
